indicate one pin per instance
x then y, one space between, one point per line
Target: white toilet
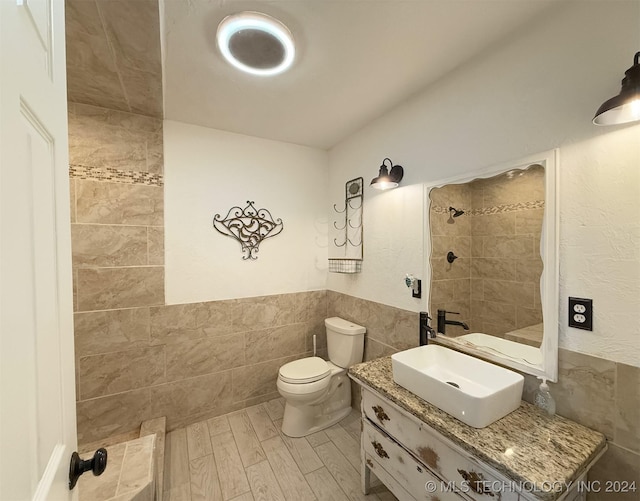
318 393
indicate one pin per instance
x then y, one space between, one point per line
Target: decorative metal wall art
249 226
352 227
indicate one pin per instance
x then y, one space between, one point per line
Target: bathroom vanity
420 452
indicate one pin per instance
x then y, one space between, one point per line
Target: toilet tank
345 341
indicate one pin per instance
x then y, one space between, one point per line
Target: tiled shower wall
494 283
137 358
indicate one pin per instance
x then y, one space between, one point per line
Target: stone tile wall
188 362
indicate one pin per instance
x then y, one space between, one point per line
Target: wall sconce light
387 179
625 107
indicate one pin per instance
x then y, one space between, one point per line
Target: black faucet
426 331
442 321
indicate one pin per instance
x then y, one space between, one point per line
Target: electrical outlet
581 313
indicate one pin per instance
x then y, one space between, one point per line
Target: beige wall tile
511 247
177 323
477 246
255 380
311 306
111 288
83 17
406 332
112 415
477 289
267 311
110 373
451 194
441 245
144 91
628 407
374 349
107 331
204 356
517 293
218 318
617 464
91 72
108 245
101 145
494 224
88 115
155 243
119 203
487 311
585 391
188 400
267 344
493 268
528 270
528 316
134 33
443 270
441 291
155 155
529 222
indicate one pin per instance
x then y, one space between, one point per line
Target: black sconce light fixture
625 107
387 179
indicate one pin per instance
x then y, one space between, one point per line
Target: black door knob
97 464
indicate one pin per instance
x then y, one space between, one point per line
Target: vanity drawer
430 448
409 474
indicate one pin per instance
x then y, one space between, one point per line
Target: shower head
455 212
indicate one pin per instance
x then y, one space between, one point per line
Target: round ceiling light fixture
256 43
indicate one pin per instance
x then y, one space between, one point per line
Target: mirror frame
549 281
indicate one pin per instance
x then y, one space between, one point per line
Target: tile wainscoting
188 362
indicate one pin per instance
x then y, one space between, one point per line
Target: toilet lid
305 370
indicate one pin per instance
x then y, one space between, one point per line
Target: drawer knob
379 450
380 413
475 481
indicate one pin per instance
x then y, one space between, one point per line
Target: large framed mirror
491 249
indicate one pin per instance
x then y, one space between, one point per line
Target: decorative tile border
115 175
496 209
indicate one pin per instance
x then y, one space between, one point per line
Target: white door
37 390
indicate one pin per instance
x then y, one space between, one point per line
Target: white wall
209 171
536 91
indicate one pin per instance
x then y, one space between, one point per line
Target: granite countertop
548 452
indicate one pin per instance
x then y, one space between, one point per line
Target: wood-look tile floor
243 456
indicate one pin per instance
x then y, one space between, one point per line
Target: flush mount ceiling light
387 179
625 107
256 43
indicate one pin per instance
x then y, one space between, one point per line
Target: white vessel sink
471 390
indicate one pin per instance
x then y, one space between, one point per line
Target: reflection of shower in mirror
504 280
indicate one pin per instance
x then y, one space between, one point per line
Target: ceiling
355 59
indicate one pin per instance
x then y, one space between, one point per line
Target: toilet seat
305 370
